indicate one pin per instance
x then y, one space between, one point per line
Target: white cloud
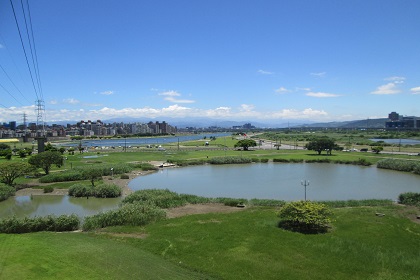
415 90
304 89
319 74
322 94
395 79
308 113
389 88
53 102
282 90
246 107
108 92
71 101
263 72
171 97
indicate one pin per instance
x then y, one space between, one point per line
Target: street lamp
305 183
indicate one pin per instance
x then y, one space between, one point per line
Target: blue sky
230 60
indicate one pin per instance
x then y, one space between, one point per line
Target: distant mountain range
367 123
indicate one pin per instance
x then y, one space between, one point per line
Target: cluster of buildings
396 121
84 128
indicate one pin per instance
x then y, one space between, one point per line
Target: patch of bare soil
411 212
191 209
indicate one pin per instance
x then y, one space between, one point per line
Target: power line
24 50
34 59
13 83
10 94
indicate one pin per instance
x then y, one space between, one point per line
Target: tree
321 144
45 159
245 144
5 150
10 171
305 217
92 174
377 149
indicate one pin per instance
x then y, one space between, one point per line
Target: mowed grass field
241 245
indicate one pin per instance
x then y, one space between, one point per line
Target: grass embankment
241 245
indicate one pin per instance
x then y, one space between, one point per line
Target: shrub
160 198
124 176
6 192
104 191
67 176
280 160
264 160
47 223
80 190
398 164
409 198
132 214
229 160
305 217
48 189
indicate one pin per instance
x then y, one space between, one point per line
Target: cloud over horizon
172 95
390 88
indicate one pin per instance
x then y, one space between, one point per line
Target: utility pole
305 183
40 108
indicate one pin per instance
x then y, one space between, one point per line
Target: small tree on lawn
13 170
245 144
321 144
305 217
377 149
44 160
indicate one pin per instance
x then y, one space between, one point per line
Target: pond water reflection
283 181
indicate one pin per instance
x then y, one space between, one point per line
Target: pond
283 181
259 180
398 141
43 205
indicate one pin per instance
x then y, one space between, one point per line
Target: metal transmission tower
41 137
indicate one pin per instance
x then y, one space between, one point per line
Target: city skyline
265 61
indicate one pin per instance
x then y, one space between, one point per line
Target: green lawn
242 245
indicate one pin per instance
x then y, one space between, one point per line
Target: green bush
47 223
105 191
67 176
48 189
305 217
124 176
264 160
399 165
159 197
6 192
80 190
409 198
281 160
130 214
229 160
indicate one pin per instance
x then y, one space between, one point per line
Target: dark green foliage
47 223
45 159
264 160
48 189
80 190
73 175
231 201
132 214
124 176
159 197
321 144
229 160
400 165
105 191
318 160
6 192
305 217
245 144
194 199
9 171
266 202
182 162
281 160
100 191
409 198
145 166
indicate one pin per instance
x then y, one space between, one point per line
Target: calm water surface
265 180
283 181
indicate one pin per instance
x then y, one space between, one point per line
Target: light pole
112 172
305 183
